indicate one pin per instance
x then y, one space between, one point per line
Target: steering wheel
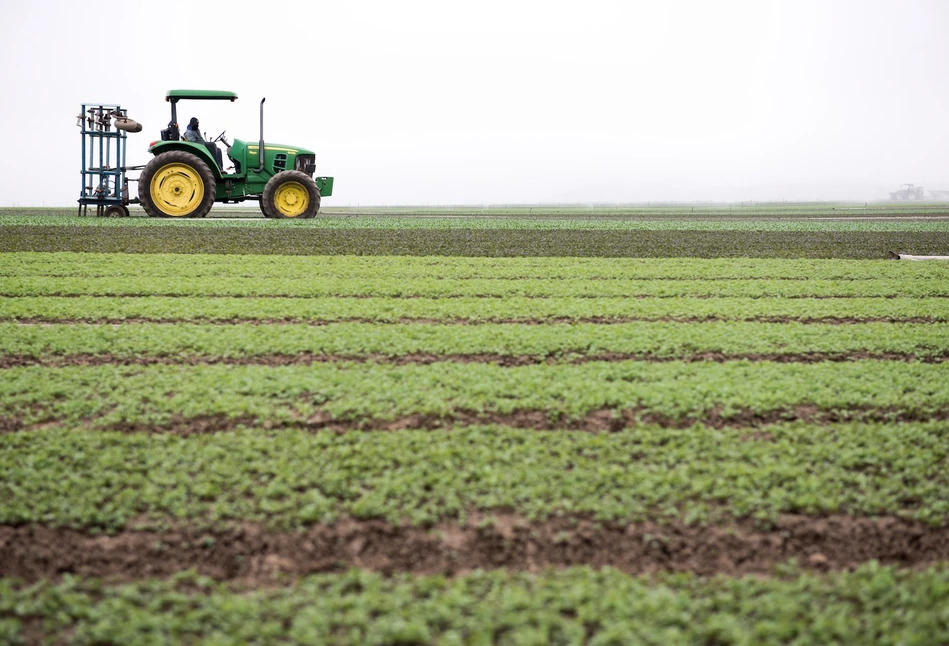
220 137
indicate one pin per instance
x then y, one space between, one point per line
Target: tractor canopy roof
218 95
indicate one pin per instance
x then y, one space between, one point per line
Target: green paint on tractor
184 178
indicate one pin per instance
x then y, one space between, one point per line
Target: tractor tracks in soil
251 554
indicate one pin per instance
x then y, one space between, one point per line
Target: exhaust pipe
260 149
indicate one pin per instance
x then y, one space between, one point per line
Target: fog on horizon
428 102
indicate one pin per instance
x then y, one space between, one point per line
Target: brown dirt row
501 279
447 296
598 421
425 358
600 320
250 554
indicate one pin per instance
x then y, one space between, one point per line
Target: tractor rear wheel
290 194
176 184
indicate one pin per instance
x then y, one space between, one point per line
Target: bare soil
442 296
252 554
597 421
10 424
604 420
599 320
426 358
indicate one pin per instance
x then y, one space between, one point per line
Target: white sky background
441 102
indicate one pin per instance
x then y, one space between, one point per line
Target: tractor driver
193 134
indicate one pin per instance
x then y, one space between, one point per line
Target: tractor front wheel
176 184
290 194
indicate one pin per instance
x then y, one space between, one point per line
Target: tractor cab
173 132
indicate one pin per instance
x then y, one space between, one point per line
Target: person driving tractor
193 134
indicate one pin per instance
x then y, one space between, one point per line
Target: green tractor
184 178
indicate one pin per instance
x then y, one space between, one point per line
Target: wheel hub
177 189
291 199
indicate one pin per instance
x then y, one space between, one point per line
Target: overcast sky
419 102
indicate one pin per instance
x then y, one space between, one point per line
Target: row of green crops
472 309
514 223
276 239
401 267
435 287
363 392
655 339
291 478
873 605
213 448
752 208
724 210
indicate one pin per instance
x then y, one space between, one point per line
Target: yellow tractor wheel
176 184
290 194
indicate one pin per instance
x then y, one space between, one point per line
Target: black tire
128 125
177 195
116 211
282 196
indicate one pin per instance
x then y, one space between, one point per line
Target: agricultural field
423 426
808 231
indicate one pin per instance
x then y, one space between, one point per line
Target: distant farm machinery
186 176
908 192
913 192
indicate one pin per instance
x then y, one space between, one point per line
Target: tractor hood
279 148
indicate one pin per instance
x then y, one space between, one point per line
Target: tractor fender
199 150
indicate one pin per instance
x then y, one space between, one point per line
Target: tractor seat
170 133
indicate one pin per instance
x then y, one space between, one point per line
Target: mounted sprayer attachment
104 184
